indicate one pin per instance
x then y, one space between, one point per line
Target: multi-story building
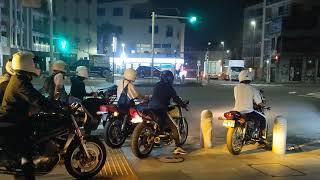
75 22
130 20
23 29
291 48
252 31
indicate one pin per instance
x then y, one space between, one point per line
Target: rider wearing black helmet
163 92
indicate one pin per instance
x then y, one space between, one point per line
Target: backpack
124 101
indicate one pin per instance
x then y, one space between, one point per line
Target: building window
157 45
156 29
117 11
119 29
166 46
101 12
281 11
169 32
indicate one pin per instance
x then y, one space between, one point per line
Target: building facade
23 28
75 23
290 44
130 21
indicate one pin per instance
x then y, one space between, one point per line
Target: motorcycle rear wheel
113 136
235 140
81 168
142 136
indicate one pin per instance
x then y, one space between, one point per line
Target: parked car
93 70
145 71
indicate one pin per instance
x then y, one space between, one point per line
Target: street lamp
228 51
253 24
222 43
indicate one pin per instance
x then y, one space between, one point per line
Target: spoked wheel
235 139
113 135
80 166
183 130
142 140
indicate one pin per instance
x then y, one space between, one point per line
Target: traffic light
193 19
63 45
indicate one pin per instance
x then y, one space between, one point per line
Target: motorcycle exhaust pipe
157 140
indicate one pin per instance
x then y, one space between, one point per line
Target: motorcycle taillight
228 115
103 108
133 112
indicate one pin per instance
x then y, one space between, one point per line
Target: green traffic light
63 45
193 19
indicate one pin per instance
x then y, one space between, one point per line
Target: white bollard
279 141
206 129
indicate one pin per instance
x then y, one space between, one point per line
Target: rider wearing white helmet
245 96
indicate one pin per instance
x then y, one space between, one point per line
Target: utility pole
51 30
152 42
262 45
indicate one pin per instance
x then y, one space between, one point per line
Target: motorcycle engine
252 130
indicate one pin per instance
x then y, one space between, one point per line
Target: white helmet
245 75
130 74
82 71
9 68
23 61
59 66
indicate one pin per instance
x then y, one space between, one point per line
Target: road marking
117 166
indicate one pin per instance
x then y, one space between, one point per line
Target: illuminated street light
222 43
253 23
228 51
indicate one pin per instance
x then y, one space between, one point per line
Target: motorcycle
91 106
118 126
242 131
148 133
55 136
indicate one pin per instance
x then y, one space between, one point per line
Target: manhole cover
276 170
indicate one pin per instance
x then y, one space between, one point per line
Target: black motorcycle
242 131
57 135
148 133
91 105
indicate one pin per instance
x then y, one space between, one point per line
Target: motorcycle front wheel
235 140
142 140
81 167
113 135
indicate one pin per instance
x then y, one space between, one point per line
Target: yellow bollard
279 141
206 129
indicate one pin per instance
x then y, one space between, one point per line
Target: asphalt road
298 104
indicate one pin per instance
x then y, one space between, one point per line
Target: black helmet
167 77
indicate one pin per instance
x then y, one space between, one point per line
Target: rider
163 92
78 88
5 78
54 84
245 96
130 76
19 101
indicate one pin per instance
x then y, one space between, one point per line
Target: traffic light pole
153 17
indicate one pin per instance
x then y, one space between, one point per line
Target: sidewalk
218 163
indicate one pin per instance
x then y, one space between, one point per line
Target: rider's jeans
165 122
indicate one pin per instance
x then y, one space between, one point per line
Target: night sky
219 20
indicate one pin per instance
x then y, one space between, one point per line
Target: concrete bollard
279 141
206 129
